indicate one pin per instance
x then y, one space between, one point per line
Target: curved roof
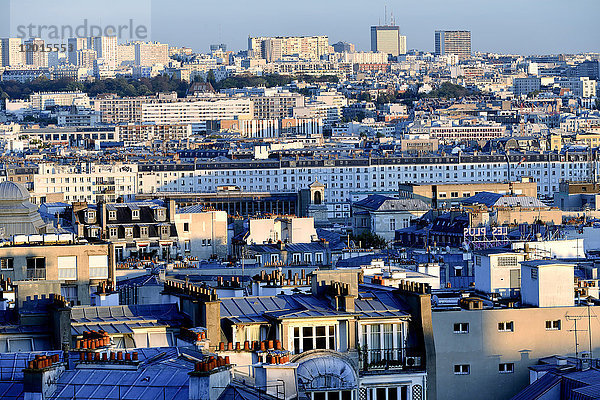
12 191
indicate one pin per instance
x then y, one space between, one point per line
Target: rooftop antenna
393 21
385 15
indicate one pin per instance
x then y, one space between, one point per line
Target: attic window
112 214
135 214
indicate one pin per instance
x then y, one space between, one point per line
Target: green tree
449 90
369 240
210 78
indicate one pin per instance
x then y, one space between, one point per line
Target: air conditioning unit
412 361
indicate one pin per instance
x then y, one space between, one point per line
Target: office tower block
11 53
387 39
35 53
453 42
106 49
73 46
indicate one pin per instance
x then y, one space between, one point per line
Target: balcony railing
38 273
391 359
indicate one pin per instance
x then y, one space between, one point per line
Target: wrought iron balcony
391 359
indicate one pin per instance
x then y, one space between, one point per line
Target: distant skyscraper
387 39
36 55
73 46
344 47
10 52
453 42
106 49
150 53
274 48
217 47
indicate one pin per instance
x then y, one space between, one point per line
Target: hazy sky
508 26
520 26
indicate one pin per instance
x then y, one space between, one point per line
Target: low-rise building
383 215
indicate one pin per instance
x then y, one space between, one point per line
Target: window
36 268
112 214
461 327
112 232
143 231
307 258
454 194
186 226
186 245
319 258
98 267
392 224
507 261
296 258
67 267
553 325
313 337
135 214
388 393
462 369
442 195
7 263
331 395
506 368
506 326
129 232
534 274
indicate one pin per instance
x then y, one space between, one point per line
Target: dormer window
135 214
159 214
129 232
164 230
112 214
143 231
91 215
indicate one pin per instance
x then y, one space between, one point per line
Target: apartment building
344 339
105 48
347 178
486 351
150 53
524 86
453 132
146 133
87 182
201 233
71 268
41 100
453 42
275 48
579 87
196 111
37 56
10 52
126 110
277 105
272 128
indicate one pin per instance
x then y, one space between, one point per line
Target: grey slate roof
377 202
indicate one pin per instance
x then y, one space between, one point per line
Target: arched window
317 198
